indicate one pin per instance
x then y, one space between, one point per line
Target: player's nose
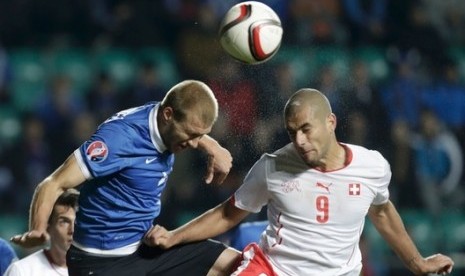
193 143
300 138
71 229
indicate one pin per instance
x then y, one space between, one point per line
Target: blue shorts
188 259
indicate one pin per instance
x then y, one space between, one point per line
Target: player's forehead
300 113
194 126
64 212
300 116
199 114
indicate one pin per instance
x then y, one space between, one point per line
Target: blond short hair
192 96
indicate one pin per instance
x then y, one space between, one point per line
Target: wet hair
68 198
192 96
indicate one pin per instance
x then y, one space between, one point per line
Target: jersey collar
154 133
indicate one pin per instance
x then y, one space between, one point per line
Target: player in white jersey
52 261
318 192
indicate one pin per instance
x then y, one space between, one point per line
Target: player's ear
332 122
167 113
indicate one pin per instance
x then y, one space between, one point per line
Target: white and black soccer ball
251 32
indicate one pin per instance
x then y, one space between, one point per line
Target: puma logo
323 186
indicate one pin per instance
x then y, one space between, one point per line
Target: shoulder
28 265
286 152
359 152
37 257
449 140
131 115
284 159
5 248
369 160
128 122
282 153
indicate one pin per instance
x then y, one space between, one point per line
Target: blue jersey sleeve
104 153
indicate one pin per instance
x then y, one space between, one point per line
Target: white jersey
315 218
36 264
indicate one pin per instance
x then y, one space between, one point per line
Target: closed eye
306 129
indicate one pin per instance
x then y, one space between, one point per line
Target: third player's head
187 112
61 221
310 124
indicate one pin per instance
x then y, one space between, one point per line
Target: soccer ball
251 32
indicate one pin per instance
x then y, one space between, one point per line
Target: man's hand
439 264
219 165
158 236
31 239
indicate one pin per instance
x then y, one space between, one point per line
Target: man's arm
68 175
219 160
210 224
389 224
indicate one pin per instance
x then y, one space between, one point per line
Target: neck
56 257
335 159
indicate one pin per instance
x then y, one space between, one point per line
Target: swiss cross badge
354 189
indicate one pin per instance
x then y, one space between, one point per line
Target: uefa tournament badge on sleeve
97 151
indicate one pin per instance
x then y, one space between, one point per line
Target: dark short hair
68 198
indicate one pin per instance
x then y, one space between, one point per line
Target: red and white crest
354 189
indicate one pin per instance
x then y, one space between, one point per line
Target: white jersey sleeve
382 196
253 194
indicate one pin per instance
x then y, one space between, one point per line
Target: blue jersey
246 233
7 255
127 165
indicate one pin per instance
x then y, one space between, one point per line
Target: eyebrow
304 125
191 131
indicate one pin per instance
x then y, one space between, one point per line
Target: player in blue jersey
124 168
7 255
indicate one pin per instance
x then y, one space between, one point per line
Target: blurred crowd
408 102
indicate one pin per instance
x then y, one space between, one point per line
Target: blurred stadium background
393 69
